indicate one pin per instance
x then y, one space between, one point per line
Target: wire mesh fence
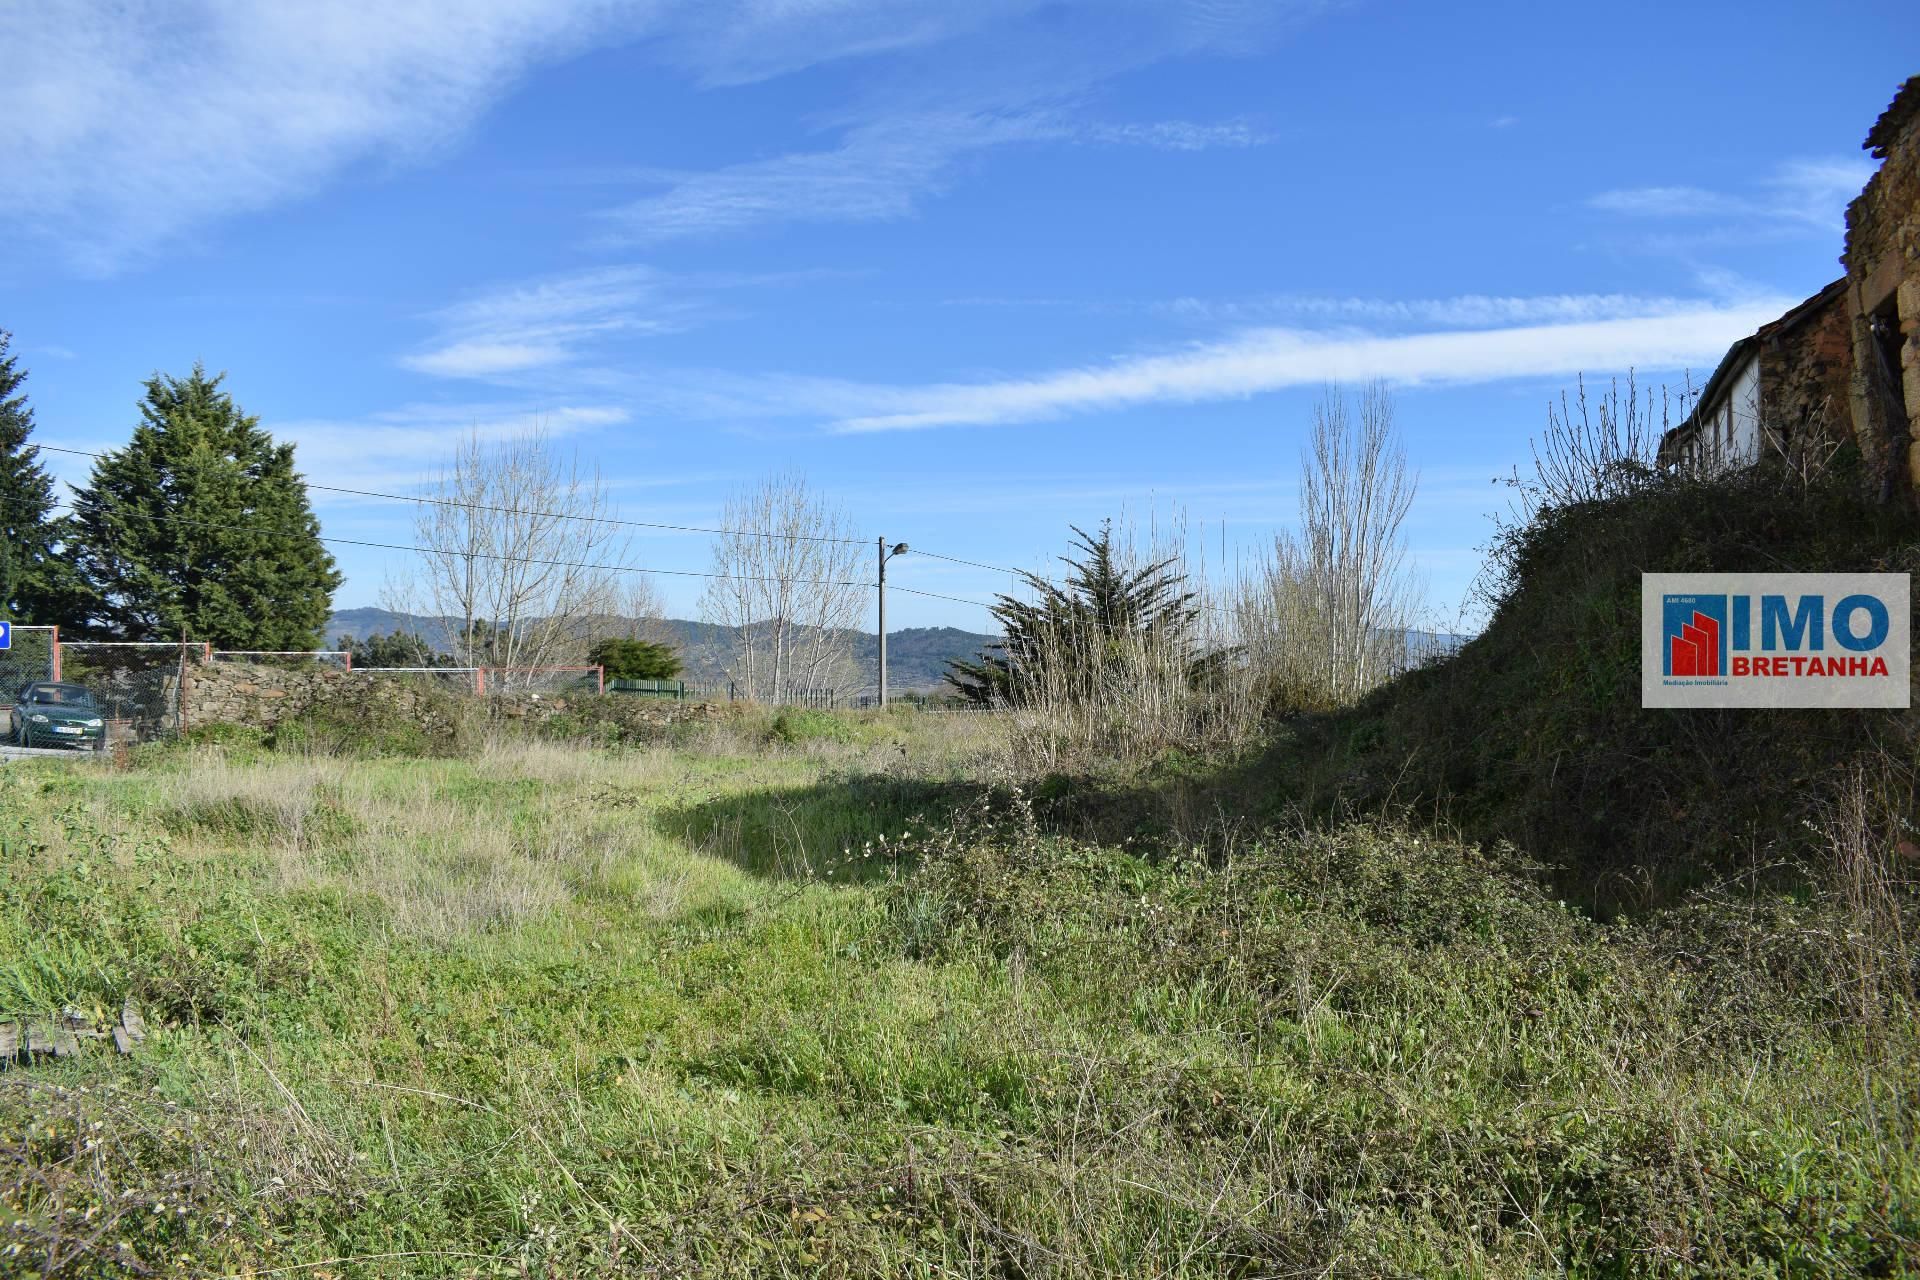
34 655
136 683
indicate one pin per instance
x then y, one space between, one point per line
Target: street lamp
899 549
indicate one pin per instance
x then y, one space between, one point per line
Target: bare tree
788 583
1596 447
638 614
519 555
1327 615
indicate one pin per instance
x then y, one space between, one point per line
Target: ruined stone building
1843 367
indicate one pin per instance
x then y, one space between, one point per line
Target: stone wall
1806 363
263 696
1883 279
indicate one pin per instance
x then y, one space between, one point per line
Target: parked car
46 714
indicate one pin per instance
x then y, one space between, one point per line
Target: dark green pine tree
624 658
1071 634
200 528
37 585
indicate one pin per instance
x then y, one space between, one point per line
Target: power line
976 564
526 511
1229 610
489 555
576 564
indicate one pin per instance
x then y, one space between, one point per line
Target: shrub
795 726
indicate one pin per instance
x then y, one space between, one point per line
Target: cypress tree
35 585
200 528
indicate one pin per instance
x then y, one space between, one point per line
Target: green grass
837 1008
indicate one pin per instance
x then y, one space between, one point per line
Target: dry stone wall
264 696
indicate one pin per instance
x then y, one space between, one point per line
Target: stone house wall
1806 368
1883 281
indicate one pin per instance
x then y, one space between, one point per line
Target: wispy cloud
1265 360
402 447
1472 310
1460 311
544 322
1804 193
878 172
1179 135
130 123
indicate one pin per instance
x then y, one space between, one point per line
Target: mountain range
917 657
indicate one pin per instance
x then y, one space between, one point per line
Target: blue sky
981 271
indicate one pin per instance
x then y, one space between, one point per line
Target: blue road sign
6 635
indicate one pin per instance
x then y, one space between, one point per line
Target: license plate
67 728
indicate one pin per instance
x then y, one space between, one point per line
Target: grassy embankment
551 1010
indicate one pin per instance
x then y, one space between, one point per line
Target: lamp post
899 549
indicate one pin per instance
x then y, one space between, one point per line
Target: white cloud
1265 360
1810 193
1461 311
130 123
1179 135
544 322
480 359
402 447
878 172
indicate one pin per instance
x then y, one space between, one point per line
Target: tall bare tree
1328 614
519 547
789 584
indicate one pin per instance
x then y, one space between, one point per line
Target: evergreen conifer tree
200 528
36 584
630 659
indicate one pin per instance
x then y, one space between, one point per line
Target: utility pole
899 549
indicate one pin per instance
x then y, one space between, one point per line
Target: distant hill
917 657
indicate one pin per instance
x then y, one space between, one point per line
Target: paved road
34 753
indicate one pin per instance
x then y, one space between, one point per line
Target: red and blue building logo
1775 640
1695 628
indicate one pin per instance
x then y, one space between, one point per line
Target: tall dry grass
440 863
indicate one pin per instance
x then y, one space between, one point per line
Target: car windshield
58 697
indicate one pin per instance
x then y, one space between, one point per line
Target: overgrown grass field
836 998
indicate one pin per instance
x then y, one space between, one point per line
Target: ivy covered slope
1534 733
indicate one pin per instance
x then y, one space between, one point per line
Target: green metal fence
675 690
